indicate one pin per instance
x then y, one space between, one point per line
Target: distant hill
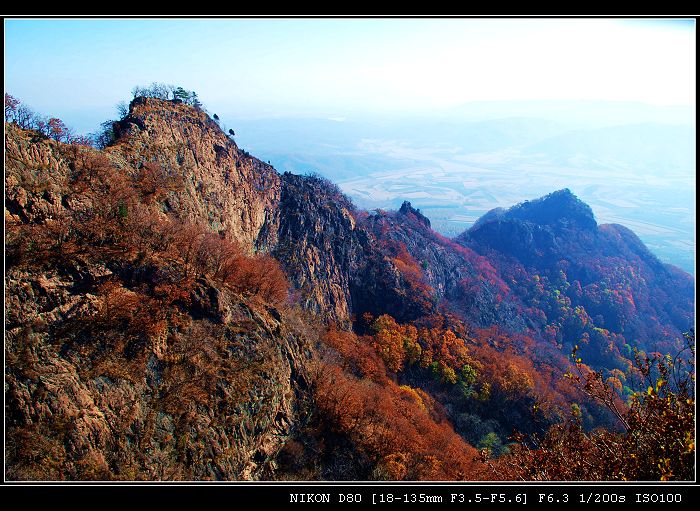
585 114
590 281
639 148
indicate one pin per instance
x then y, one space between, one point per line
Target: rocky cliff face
335 260
319 245
452 276
91 395
208 179
304 221
222 185
36 174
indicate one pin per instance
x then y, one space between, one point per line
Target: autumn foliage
397 432
657 437
50 127
418 290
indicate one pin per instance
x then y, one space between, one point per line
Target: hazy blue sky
327 67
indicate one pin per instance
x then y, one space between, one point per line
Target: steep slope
205 178
319 244
342 262
96 389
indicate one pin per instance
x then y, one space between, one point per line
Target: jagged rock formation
408 210
445 268
319 244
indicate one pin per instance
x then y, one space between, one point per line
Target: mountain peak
561 208
408 210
